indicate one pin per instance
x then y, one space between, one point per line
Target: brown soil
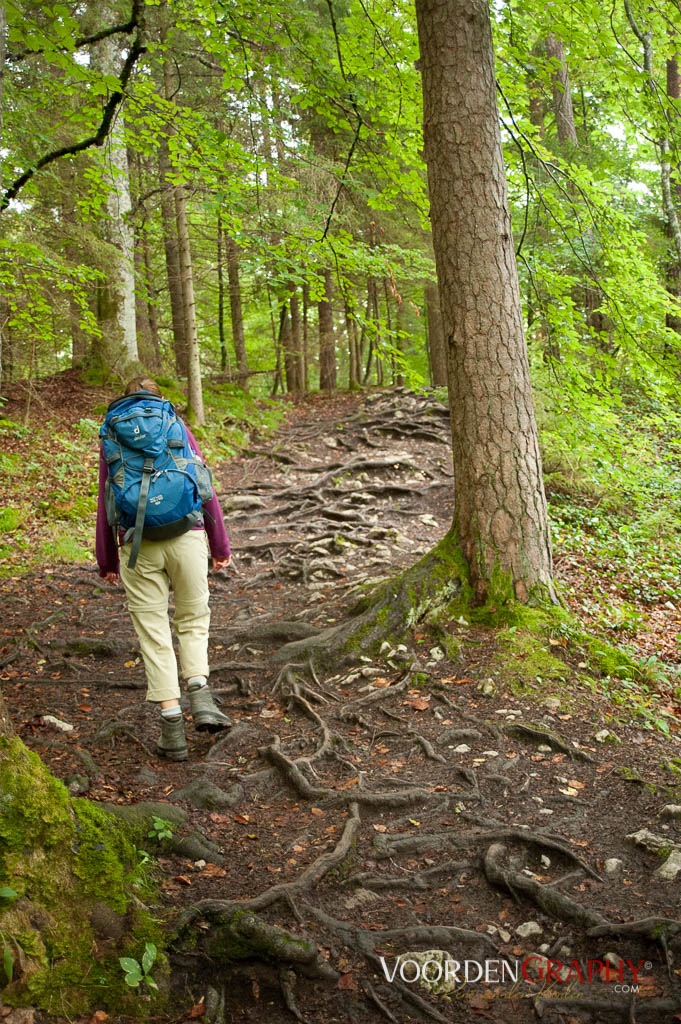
440 806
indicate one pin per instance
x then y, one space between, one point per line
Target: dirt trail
391 806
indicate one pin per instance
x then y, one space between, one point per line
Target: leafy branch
115 99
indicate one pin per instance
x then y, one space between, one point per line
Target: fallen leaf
317 811
380 828
182 879
98 1016
214 871
243 819
576 784
380 683
197 1010
347 981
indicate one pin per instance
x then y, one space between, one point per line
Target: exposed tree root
234 934
629 1009
430 936
538 735
551 900
414 880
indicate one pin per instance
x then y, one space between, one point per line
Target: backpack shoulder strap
138 528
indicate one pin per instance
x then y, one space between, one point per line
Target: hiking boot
206 716
172 742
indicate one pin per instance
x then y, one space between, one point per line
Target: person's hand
112 578
221 563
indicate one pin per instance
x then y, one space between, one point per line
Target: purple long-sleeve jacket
106 547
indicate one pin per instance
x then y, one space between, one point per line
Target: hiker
158 550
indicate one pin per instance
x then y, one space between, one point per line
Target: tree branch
125 28
136 50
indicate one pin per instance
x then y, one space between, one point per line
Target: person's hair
143 384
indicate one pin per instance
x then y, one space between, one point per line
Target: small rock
462 749
385 646
77 784
671 811
671 867
361 898
649 841
612 865
670 605
488 688
544 748
603 736
529 928
545 861
504 935
544 948
545 810
557 972
146 777
437 654
199 864
552 703
613 960
490 753
57 723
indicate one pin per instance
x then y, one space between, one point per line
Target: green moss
66 859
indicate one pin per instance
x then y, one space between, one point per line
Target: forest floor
463 793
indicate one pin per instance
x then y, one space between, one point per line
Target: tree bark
221 297
560 86
500 518
118 350
296 339
436 337
172 259
235 307
327 345
194 386
674 268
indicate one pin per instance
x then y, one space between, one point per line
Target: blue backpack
156 484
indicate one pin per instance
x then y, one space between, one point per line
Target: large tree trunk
500 519
327 345
119 328
560 85
436 337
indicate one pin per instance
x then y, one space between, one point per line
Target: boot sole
173 755
212 726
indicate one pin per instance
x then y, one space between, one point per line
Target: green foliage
160 829
136 972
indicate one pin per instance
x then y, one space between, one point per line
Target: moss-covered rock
72 867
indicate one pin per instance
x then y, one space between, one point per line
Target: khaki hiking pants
182 563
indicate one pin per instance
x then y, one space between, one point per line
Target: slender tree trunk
296 338
560 86
194 386
674 269
327 345
285 346
235 308
306 353
351 329
436 337
172 259
500 518
221 298
151 297
3 47
535 91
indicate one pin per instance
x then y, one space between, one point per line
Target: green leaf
7 962
133 980
129 965
8 895
149 957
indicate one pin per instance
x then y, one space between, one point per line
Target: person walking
148 567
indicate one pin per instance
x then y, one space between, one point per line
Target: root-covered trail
417 801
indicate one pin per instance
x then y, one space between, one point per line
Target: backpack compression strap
138 528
